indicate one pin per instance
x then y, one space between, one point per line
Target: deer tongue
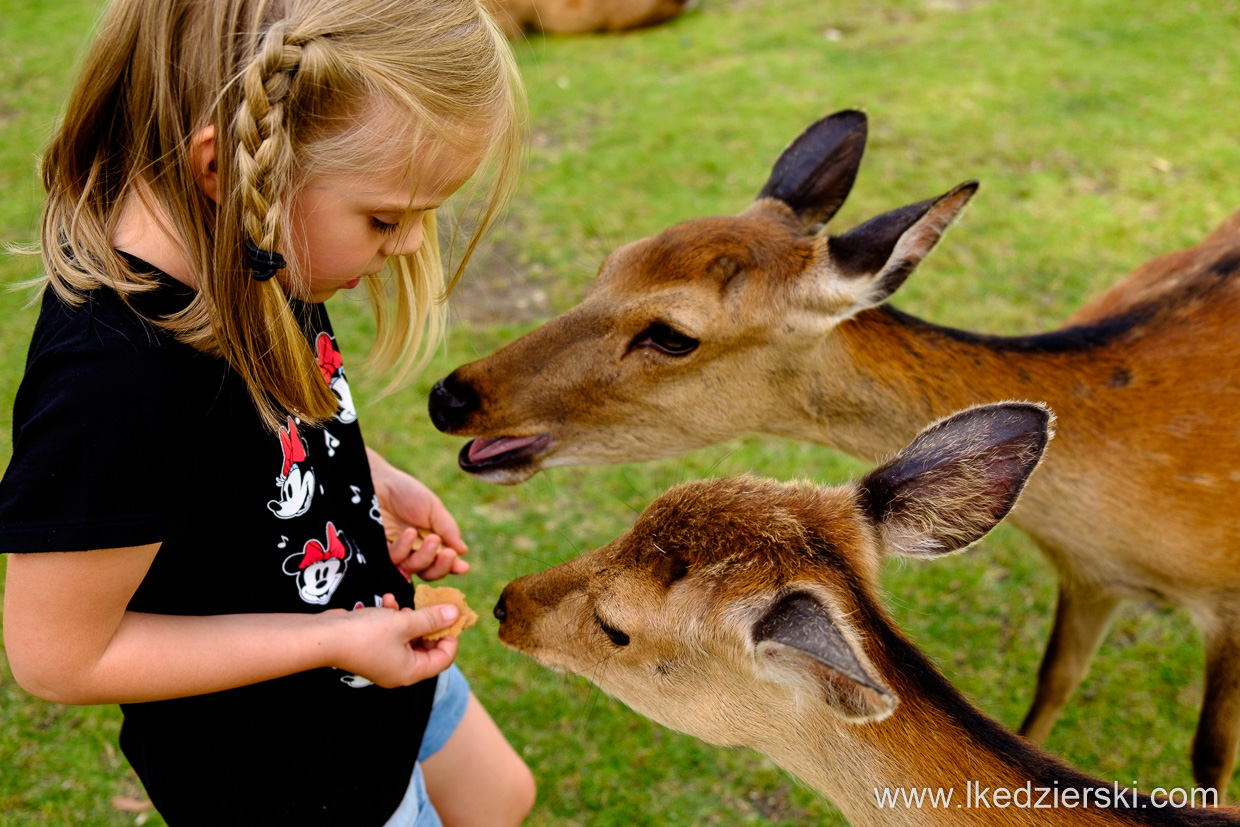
484 448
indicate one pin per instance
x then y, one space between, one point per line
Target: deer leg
1081 618
1218 729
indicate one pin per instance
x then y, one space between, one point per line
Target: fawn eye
665 339
615 635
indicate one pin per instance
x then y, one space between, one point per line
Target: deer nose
452 401
501 608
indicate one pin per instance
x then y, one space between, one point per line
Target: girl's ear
202 159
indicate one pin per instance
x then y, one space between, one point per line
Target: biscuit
424 596
393 533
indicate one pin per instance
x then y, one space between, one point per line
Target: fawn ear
864 266
816 172
799 641
957 479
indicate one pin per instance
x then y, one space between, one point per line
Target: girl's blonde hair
293 89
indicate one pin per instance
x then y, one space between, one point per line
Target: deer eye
665 339
615 635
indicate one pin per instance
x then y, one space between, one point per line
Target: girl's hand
423 538
384 644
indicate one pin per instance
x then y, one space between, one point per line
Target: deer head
693 337
743 610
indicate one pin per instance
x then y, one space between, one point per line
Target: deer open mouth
484 454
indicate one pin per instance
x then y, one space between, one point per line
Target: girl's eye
382 226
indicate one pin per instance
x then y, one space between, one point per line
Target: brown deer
719 327
745 612
581 16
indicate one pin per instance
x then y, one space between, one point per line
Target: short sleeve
103 438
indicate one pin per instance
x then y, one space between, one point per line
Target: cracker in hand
424 596
393 533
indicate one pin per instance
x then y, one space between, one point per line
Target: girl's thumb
433 619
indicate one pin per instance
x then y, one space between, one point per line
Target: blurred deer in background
581 16
745 612
723 326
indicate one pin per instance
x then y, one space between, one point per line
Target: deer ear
957 479
816 172
871 261
799 640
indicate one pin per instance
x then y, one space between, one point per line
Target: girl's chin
351 283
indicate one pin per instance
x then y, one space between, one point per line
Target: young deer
744 612
581 16
720 327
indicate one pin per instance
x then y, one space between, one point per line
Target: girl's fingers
402 546
440 567
437 655
446 526
422 622
423 556
431 560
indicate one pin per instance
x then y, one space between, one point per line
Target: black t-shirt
123 436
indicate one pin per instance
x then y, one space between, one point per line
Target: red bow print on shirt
329 358
315 553
290 443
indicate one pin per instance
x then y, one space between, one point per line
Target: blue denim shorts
451 698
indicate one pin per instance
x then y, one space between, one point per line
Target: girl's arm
70 638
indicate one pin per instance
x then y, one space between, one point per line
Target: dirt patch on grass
495 288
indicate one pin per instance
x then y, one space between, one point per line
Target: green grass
1103 133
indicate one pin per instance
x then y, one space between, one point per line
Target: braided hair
289 89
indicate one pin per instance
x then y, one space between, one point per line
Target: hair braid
293 90
264 149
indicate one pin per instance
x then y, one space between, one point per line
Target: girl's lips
351 283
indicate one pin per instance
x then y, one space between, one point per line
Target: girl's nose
407 241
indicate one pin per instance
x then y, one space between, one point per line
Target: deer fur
516 17
745 612
719 327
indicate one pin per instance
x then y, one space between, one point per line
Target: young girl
198 527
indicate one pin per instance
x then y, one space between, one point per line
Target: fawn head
691 337
735 608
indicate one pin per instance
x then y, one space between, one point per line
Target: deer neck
882 376
934 742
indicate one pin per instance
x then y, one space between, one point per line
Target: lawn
1103 132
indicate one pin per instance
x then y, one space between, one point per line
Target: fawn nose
451 403
501 608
